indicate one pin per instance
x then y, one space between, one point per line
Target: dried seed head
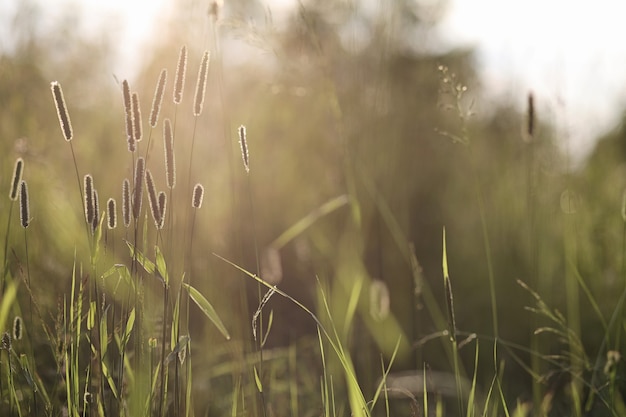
158 98
379 300
137 125
203 73
181 68
17 177
126 202
244 148
198 195
128 113
17 328
64 117
96 211
111 214
140 171
24 205
153 199
88 196
162 208
5 343
170 161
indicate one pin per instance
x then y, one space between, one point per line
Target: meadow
329 229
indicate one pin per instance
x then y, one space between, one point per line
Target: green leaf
129 327
146 263
161 267
257 380
207 309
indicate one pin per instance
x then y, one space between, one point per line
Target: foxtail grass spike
153 199
162 208
111 214
18 170
126 202
140 171
137 124
244 148
128 115
24 205
198 195
158 98
96 211
170 160
530 127
88 196
5 342
181 68
18 328
203 74
64 117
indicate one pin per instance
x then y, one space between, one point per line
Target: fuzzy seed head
17 177
126 202
17 328
170 161
88 196
244 148
158 98
152 198
140 172
162 208
530 128
111 214
181 68
137 125
96 211
5 343
198 195
203 74
64 117
24 205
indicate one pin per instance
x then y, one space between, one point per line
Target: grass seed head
5 343
244 148
64 117
126 202
24 205
96 211
170 160
18 328
111 214
152 198
162 209
17 178
140 172
181 68
158 98
88 196
137 125
198 195
203 73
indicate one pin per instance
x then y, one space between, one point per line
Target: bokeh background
398 112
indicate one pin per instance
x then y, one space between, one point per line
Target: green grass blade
207 309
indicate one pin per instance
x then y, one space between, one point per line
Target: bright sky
570 53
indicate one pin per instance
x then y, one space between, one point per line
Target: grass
120 339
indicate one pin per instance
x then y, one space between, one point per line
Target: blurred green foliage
338 100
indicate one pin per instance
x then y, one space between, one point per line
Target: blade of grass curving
146 263
383 381
307 221
336 346
471 399
207 309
